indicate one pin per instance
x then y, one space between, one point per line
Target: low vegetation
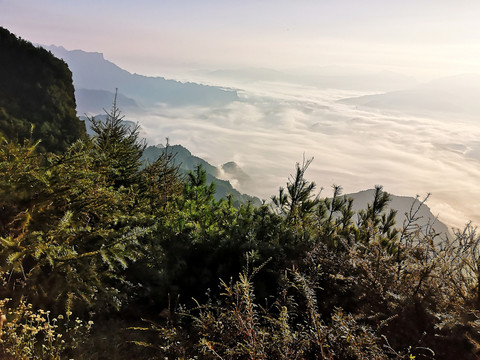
102 257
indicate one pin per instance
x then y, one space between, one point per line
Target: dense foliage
92 236
36 89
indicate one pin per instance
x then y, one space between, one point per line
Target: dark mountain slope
36 88
188 162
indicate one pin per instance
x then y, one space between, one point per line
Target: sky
276 126
421 37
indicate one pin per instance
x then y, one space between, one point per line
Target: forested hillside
36 89
102 257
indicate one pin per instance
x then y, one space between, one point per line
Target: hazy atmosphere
377 92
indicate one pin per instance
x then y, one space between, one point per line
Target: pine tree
118 146
298 202
75 221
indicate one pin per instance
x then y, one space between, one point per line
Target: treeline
103 258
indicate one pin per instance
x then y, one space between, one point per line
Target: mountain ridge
92 71
187 162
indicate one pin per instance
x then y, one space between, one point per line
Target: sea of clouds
276 125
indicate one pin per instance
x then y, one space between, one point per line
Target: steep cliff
36 89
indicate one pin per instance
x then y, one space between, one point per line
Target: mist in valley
276 124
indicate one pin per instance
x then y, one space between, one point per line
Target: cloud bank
274 126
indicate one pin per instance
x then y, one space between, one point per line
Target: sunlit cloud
352 147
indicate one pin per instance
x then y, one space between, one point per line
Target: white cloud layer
271 129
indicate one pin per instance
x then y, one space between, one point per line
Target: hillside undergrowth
144 262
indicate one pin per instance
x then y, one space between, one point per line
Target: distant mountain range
188 162
95 80
96 101
455 94
92 73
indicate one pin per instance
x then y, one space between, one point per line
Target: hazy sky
421 37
